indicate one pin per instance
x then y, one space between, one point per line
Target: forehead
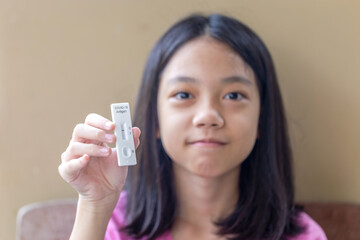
206 58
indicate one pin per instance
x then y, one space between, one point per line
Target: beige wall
60 60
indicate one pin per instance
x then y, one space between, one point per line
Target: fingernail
109 138
108 125
104 150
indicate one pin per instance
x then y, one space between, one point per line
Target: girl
215 159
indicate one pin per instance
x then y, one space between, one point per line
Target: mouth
208 142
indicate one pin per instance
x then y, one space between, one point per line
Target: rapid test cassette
123 131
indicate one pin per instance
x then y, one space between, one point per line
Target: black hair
265 207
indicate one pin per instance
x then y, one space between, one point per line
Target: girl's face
208 108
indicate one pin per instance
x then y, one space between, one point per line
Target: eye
183 95
234 96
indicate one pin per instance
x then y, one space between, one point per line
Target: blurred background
61 59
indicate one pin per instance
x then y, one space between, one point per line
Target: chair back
340 221
51 220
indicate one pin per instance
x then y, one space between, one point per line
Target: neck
203 201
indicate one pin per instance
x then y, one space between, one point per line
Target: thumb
70 170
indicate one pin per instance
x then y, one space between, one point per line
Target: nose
208 117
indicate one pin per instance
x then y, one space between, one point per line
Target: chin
207 167
206 170
216 170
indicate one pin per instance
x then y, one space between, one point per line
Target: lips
207 142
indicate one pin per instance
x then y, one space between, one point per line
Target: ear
258 132
157 133
258 128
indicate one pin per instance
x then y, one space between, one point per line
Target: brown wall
60 60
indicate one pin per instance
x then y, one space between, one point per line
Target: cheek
170 140
172 128
246 129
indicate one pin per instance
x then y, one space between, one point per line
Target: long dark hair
265 208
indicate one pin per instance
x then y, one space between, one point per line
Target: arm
90 167
91 220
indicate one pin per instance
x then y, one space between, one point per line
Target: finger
76 149
84 132
69 171
98 121
136 134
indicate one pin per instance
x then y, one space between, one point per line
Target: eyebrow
227 80
237 79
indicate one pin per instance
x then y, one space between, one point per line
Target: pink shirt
313 230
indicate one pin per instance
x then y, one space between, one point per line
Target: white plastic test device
123 131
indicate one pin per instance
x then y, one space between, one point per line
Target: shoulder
118 220
312 230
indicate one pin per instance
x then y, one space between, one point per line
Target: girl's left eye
234 96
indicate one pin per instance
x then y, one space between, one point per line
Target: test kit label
123 131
